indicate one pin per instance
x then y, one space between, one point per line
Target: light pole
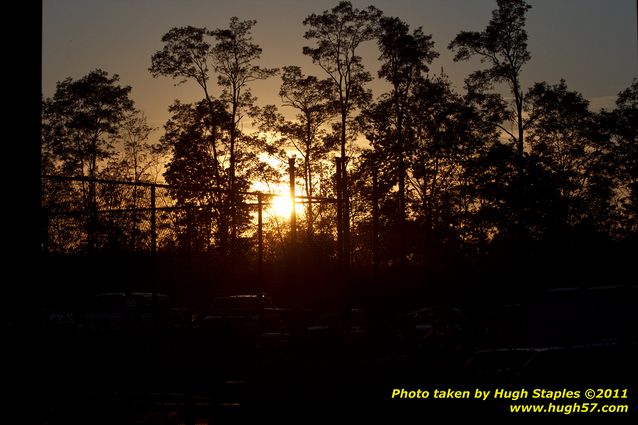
293 211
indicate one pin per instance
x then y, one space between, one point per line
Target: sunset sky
590 43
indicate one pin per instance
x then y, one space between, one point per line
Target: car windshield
242 301
110 302
498 365
117 302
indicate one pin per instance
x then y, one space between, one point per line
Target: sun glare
281 206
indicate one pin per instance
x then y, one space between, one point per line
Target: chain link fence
84 215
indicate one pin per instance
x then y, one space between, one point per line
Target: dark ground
320 365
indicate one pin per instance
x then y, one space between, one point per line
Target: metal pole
92 217
375 219
293 212
45 231
293 231
153 259
339 210
260 236
346 212
153 222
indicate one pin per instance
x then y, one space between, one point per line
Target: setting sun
281 206
270 209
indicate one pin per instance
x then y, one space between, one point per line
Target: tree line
432 174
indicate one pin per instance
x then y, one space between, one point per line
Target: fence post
339 210
345 222
293 211
260 239
375 220
44 238
92 217
153 259
153 222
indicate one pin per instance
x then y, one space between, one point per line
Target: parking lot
267 362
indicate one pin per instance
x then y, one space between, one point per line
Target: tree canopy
446 175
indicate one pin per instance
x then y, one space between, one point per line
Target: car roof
135 294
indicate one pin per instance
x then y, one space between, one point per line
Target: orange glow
280 205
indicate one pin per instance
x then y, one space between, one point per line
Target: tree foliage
91 129
620 125
464 176
191 53
404 59
503 45
82 119
338 34
314 108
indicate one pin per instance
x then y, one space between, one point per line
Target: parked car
602 363
274 334
235 318
498 365
242 302
57 319
439 329
128 310
599 363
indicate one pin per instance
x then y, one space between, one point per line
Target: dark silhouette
311 99
476 256
503 44
187 55
405 58
338 34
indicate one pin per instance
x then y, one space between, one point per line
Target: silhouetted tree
565 139
404 59
449 137
446 140
503 45
338 34
187 54
80 124
310 98
138 159
82 119
621 125
135 160
195 168
234 57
